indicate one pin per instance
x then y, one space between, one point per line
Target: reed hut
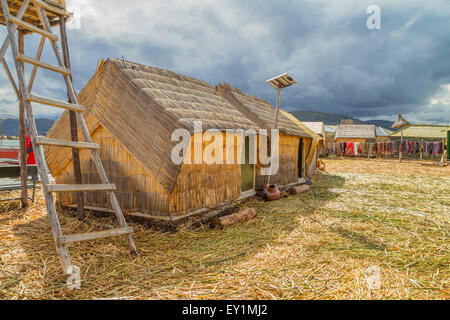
293 141
132 111
319 128
311 145
355 133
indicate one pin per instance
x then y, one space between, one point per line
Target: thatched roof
317 127
400 123
299 123
30 15
259 111
423 131
356 131
141 106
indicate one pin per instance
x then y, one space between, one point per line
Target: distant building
330 134
422 131
319 129
355 133
383 134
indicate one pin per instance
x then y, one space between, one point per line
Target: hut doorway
300 159
247 169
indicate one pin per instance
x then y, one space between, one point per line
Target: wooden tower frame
38 16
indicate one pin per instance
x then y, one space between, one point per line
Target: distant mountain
10 127
333 120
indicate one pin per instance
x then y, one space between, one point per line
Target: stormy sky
342 66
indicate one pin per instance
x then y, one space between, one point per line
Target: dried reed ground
314 246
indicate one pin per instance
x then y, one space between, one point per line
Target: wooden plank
80 187
45 65
51 8
55 103
30 27
94 235
63 143
38 57
11 78
73 121
22 133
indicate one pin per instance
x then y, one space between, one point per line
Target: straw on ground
315 246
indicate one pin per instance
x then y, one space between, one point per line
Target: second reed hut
293 140
311 145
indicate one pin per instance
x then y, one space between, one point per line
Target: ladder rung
55 103
63 143
80 187
45 65
32 28
95 235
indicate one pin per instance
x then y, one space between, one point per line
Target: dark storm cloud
342 67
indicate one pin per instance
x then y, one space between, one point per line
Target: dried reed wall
288 170
198 185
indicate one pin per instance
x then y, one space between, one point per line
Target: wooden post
73 122
443 152
22 133
401 151
421 150
275 126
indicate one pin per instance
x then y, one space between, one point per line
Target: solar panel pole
278 83
277 112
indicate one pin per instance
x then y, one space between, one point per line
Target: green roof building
423 131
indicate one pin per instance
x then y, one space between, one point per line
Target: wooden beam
11 78
43 141
30 27
95 235
49 8
22 133
54 103
73 121
45 65
38 57
80 187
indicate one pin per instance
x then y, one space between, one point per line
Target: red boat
9 156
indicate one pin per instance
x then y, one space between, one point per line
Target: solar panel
282 81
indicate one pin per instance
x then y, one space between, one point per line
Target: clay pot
273 194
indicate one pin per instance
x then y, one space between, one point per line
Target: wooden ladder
24 94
